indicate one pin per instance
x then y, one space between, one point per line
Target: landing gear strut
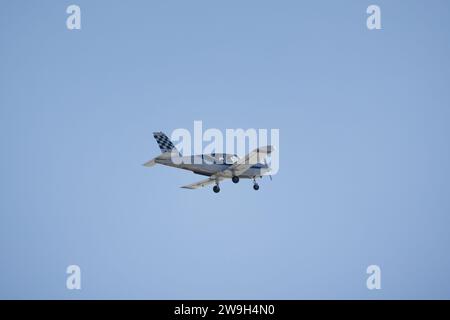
255 185
235 179
216 188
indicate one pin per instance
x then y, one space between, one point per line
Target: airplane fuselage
208 166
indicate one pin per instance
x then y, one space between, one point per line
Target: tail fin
164 142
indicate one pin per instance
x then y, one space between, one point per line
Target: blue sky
364 153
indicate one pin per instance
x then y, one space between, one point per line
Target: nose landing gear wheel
235 179
256 186
216 189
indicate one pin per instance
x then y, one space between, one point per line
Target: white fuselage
208 165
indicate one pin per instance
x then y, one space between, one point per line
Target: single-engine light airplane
217 166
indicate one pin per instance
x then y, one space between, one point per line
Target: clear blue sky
364 149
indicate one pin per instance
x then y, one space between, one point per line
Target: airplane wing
245 163
210 180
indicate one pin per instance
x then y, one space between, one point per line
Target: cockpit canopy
220 158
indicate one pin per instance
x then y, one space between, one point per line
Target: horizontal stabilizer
150 163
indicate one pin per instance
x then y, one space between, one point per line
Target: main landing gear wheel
235 179
255 184
216 189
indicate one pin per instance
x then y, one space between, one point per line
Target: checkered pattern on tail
163 141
